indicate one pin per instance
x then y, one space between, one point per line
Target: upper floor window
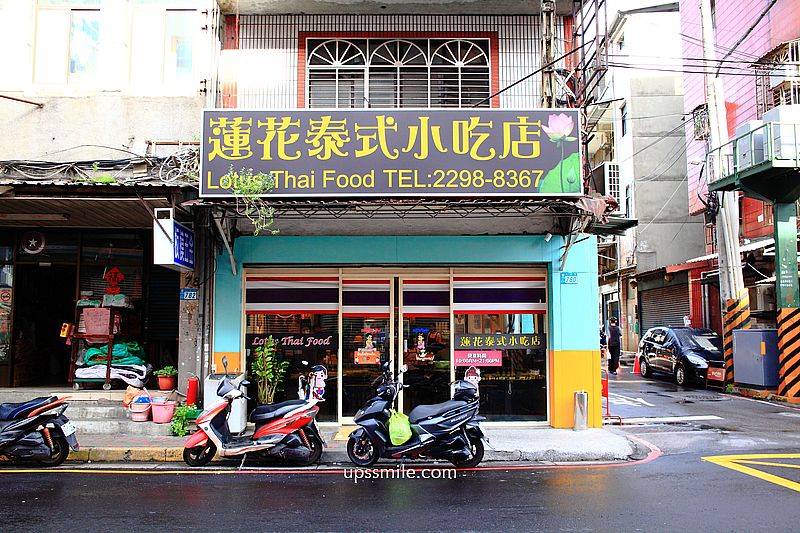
162 43
67 41
778 77
398 73
623 112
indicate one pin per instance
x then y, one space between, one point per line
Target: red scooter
286 430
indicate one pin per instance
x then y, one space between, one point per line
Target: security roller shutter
665 306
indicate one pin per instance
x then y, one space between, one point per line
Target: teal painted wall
573 317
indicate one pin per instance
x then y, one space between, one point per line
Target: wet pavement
672 493
722 463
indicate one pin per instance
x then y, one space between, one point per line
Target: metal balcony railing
770 145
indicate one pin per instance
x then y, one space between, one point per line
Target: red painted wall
733 17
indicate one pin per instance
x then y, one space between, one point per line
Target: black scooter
36 431
449 430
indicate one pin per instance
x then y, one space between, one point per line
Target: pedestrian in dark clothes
614 345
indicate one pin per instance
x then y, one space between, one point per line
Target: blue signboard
183 246
188 294
569 278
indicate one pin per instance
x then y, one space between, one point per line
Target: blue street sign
569 278
183 246
188 294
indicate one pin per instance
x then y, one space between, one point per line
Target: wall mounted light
548 236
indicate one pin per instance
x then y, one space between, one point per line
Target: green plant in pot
184 415
268 371
167 378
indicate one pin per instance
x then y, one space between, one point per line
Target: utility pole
548 10
735 301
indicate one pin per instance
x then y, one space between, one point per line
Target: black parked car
681 352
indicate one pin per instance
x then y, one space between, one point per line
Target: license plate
68 429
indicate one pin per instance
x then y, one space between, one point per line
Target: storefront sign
173 243
479 358
393 152
292 341
501 341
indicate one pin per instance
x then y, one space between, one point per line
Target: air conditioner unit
764 298
751 145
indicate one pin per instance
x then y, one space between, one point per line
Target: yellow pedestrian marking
737 462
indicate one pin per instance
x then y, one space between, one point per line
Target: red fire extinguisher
191 390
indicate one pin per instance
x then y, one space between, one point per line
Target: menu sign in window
479 358
500 341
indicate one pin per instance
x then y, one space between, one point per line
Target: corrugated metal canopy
80 212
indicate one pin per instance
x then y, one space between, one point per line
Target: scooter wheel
59 452
316 450
199 455
362 451
476 446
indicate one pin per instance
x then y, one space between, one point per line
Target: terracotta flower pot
167 382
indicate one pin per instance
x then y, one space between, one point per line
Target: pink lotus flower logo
559 127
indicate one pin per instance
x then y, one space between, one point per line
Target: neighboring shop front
512 322
48 276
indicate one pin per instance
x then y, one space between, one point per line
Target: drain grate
706 397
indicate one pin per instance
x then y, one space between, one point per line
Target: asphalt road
690 420
672 493
728 464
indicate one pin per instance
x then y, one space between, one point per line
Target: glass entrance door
367 334
424 343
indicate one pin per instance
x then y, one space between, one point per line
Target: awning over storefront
706 260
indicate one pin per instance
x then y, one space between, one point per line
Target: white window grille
778 78
700 122
612 181
398 73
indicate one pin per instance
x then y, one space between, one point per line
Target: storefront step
121 427
95 411
23 394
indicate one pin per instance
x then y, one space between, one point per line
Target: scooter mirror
404 369
225 363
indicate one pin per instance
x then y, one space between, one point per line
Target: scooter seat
421 412
12 411
262 413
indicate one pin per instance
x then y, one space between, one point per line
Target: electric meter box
237 419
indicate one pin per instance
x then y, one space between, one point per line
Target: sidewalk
545 445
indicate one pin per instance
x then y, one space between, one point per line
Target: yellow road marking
736 462
764 463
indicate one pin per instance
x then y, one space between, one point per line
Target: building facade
638 158
104 98
755 81
414 280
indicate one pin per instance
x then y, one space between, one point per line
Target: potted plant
183 417
268 371
167 378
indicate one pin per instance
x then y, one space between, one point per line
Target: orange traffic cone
636 368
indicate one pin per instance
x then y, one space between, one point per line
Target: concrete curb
102 454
